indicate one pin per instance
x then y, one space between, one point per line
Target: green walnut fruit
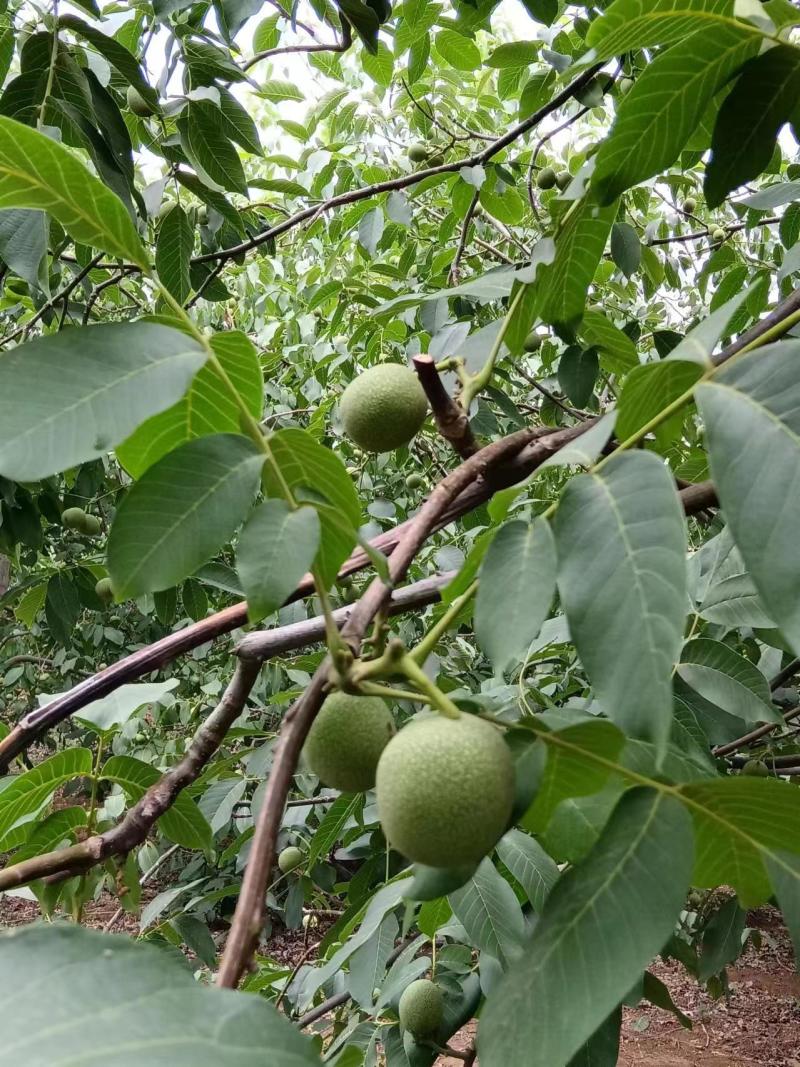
689 206
414 481
418 152
202 215
755 768
445 790
625 85
137 104
532 342
73 518
546 178
290 859
346 741
421 1009
718 234
436 160
383 408
563 179
92 526
104 590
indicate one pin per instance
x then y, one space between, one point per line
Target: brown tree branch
405 180
451 420
454 274
140 819
333 46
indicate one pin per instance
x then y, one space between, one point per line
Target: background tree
578 224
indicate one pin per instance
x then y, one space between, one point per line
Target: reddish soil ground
758 1025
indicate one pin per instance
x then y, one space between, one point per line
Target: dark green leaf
23 245
62 607
762 100
577 374
173 251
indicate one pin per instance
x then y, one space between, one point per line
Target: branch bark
451 420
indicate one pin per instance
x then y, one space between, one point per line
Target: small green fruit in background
346 740
625 86
290 859
421 1008
445 790
718 234
418 152
92 526
137 103
546 178
414 481
436 160
563 179
689 206
73 518
384 407
532 342
104 590
202 215
755 768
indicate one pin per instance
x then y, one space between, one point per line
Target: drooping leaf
276 548
762 100
316 474
36 172
182 510
751 415
621 546
517 585
23 245
577 374
173 251
572 975
71 397
626 248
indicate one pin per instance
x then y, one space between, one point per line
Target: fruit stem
439 700
422 650
373 689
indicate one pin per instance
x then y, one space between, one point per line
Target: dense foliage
579 227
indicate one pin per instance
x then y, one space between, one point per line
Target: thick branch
451 420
